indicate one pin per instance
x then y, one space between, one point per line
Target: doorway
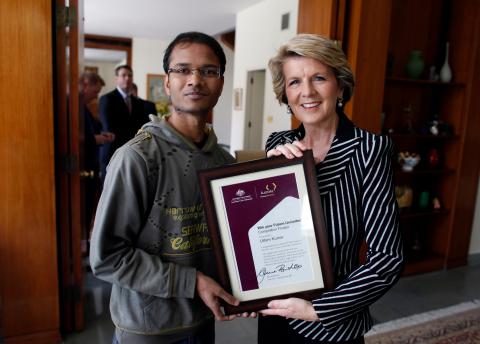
102 54
254 101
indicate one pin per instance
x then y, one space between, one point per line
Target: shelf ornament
446 72
408 160
415 64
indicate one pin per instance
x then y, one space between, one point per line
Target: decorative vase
446 72
424 200
415 64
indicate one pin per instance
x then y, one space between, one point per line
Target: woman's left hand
293 307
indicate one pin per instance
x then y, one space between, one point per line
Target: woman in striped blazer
355 179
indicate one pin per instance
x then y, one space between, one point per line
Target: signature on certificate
282 268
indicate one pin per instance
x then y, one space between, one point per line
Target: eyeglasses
204 72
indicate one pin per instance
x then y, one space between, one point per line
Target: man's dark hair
125 66
199 38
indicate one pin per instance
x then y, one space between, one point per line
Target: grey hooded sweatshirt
150 235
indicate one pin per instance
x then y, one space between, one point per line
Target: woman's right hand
288 150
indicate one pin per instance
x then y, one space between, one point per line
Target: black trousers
274 329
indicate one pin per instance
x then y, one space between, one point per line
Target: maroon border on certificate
249 202
308 164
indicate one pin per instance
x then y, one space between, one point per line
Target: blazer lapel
340 155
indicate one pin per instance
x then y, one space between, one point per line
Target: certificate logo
269 190
240 193
241 196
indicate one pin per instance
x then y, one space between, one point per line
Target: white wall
475 239
258 36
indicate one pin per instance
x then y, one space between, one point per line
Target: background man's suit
117 119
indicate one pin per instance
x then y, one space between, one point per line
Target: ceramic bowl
408 162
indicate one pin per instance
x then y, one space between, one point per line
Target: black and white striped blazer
357 192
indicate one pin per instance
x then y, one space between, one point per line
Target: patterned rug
459 324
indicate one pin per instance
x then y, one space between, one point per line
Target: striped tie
128 101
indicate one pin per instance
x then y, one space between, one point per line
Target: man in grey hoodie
150 238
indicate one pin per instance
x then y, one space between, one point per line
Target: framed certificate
268 234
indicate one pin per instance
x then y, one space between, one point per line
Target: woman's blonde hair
316 47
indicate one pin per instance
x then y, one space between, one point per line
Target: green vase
415 64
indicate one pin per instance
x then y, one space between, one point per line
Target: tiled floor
411 295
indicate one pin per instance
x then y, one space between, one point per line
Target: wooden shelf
412 103
421 82
418 214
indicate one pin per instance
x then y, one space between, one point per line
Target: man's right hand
210 292
289 150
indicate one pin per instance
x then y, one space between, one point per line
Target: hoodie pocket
159 315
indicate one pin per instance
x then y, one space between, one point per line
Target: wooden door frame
67 167
68 122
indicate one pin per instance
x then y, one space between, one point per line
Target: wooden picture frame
155 87
268 232
156 92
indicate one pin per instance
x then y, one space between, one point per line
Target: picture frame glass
267 230
280 260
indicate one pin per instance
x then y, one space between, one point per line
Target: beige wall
147 57
222 114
